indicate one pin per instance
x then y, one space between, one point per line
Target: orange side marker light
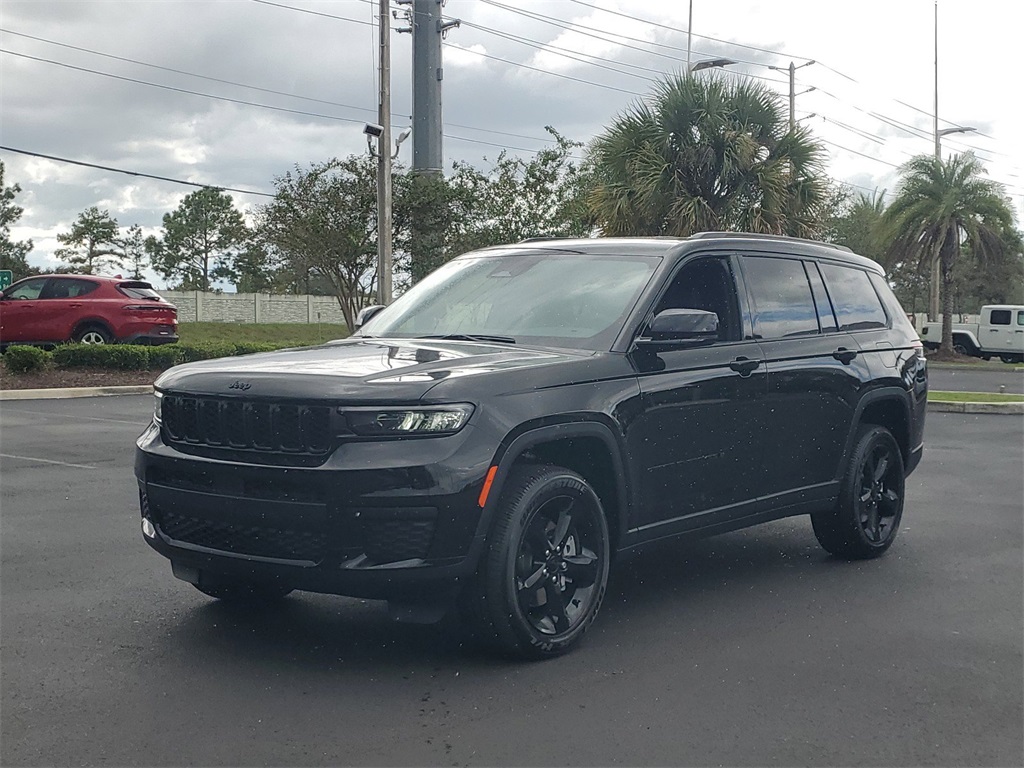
487 487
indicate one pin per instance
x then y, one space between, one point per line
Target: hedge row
124 357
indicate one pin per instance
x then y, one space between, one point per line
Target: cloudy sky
235 92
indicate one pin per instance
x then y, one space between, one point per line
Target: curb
1006 409
61 394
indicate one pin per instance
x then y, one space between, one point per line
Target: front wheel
544 574
865 521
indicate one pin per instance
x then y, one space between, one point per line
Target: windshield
551 299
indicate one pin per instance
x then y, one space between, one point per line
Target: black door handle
744 366
844 355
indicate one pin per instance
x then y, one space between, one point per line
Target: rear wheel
1010 358
865 521
93 334
545 571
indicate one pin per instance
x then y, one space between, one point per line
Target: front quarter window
550 298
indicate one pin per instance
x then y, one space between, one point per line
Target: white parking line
45 461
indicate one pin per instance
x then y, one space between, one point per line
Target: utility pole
428 29
384 160
792 68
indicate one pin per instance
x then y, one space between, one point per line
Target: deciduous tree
13 253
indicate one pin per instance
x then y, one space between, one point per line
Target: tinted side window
706 284
68 288
856 304
781 295
1000 317
825 314
1020 318
30 289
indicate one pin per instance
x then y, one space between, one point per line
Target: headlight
158 415
430 420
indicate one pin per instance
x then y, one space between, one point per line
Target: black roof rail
762 236
542 239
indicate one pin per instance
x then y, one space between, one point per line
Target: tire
1010 359
960 348
866 519
544 573
232 591
93 334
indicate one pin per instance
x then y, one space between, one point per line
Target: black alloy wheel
544 575
866 520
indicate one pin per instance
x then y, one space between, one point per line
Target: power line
134 173
542 71
180 90
315 13
676 29
185 72
252 87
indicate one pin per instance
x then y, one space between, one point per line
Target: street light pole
689 37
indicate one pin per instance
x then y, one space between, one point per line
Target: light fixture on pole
709 63
945 132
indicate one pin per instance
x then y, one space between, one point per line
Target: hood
358 369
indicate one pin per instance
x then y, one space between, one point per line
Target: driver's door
697 440
18 309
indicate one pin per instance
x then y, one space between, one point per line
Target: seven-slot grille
247 425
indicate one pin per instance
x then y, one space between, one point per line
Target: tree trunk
949 255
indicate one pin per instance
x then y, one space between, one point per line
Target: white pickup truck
999 334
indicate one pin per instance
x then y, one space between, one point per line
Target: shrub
81 356
23 359
127 357
164 356
189 353
252 347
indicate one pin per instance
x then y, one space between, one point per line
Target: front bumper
387 520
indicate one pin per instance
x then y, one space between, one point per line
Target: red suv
51 309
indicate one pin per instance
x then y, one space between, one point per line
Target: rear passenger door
815 374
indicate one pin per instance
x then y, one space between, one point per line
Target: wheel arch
589 448
88 322
888 407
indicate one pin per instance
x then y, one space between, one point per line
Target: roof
658 246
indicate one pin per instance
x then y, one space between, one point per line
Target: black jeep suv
492 439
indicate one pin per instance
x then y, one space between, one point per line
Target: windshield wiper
470 337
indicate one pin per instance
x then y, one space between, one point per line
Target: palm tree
941 207
711 153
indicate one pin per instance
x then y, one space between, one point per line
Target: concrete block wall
196 306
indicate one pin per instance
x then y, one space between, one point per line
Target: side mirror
1 295
680 328
366 314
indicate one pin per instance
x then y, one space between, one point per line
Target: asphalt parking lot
976 378
753 648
